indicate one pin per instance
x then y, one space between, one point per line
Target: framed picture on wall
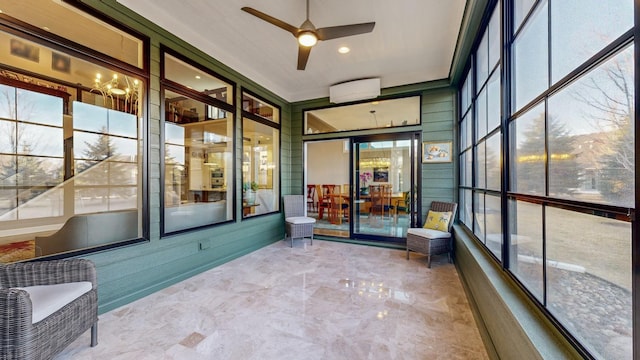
436 152
24 50
381 174
60 62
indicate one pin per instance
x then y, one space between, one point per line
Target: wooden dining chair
323 201
380 200
312 204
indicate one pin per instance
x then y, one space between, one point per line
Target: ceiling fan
308 35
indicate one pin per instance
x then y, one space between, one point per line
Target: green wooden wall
438 124
129 273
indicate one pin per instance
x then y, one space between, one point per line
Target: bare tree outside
608 94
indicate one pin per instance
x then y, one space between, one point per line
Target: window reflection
591 143
69 145
39 108
525 239
198 164
581 28
260 168
39 140
530 59
582 275
528 152
370 115
201 81
106 166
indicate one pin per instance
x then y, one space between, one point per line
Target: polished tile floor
327 301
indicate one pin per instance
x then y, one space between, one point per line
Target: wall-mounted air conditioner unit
354 90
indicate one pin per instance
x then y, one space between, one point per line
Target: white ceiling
413 40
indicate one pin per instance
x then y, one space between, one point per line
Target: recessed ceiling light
343 50
197 76
45 28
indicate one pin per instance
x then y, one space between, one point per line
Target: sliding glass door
363 187
383 197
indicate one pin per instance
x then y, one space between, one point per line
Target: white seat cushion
428 233
300 220
47 299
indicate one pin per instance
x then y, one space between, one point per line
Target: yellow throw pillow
438 220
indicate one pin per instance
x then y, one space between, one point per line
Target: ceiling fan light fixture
307 38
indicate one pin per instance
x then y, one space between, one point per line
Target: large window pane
527 152
494 37
481 166
260 168
466 132
466 213
198 165
589 280
581 28
482 61
493 223
481 114
525 250
60 157
260 108
479 228
521 9
591 141
369 115
530 62
111 40
194 78
466 93
493 102
493 162
465 168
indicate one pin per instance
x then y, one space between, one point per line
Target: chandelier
123 98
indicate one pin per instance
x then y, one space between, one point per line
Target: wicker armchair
297 223
433 242
44 306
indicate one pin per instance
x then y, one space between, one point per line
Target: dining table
363 201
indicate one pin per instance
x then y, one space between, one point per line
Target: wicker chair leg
94 335
429 261
311 243
407 253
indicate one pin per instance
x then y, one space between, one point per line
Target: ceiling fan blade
303 56
334 32
270 19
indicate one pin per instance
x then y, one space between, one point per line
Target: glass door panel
384 192
327 186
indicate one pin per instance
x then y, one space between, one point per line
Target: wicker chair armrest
15 312
47 273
